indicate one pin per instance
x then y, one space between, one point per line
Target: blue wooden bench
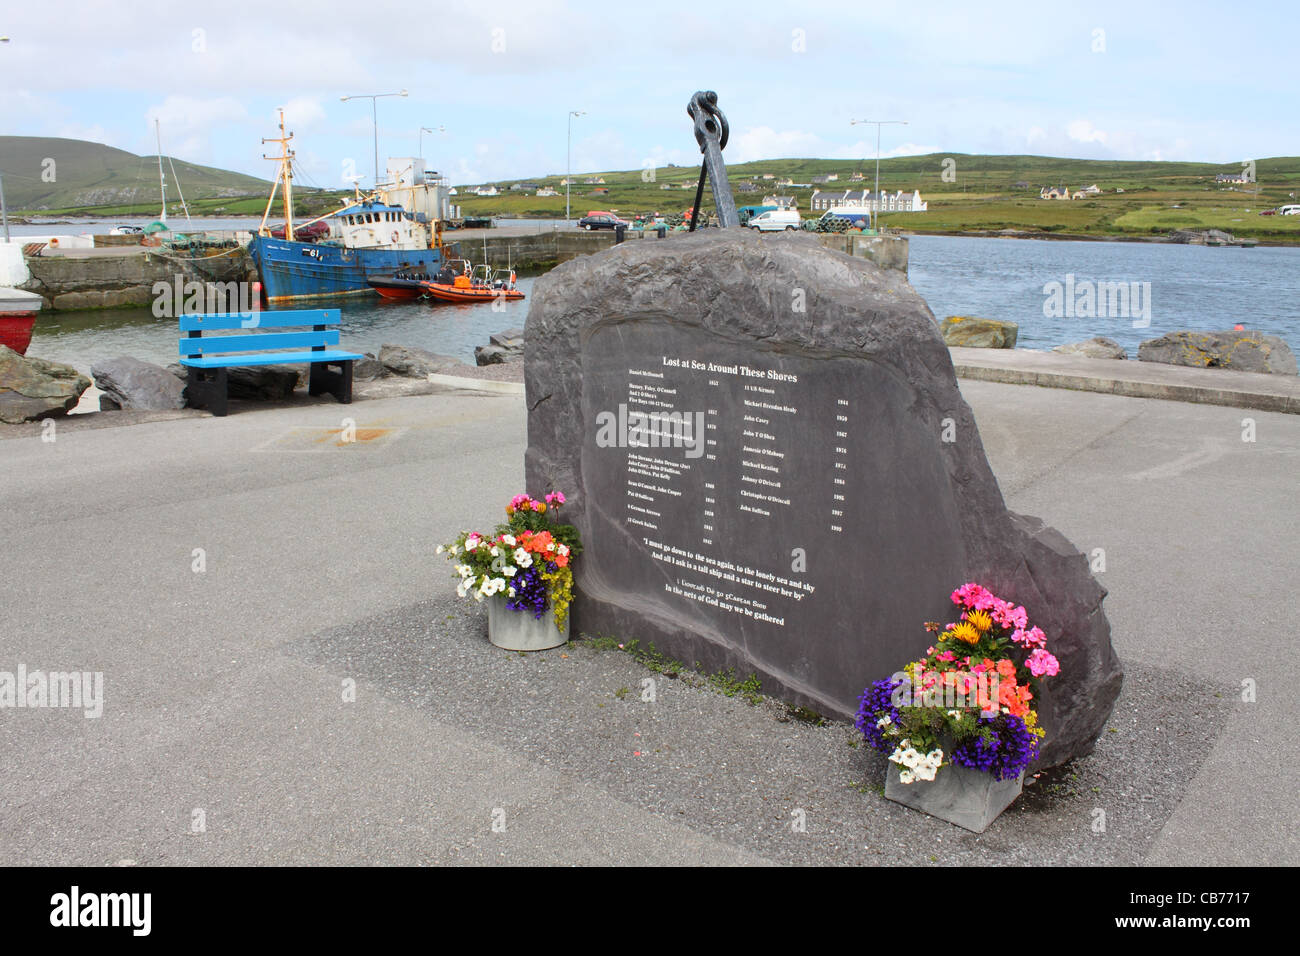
208 357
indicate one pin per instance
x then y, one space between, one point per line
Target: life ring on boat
394 235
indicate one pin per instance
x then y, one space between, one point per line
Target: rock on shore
1099 347
32 388
970 331
1242 351
128 383
507 346
416 363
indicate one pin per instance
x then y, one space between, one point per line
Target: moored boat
17 318
458 283
394 229
400 285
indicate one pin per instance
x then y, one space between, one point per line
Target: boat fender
394 235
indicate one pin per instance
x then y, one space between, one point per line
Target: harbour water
1190 287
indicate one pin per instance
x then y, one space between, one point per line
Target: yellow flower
980 619
965 631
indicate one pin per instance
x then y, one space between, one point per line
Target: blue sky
1135 80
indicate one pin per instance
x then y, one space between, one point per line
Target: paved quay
224 687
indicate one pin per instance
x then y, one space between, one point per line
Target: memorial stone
773 470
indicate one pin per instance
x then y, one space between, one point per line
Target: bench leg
323 378
207 388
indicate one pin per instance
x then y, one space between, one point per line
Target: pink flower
1041 662
555 497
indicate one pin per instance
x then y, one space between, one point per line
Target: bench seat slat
275 358
226 321
216 344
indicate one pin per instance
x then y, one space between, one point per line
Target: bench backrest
196 342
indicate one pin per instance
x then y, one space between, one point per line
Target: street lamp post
4 214
878 124
568 163
374 118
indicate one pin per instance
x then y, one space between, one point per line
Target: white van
775 220
1291 210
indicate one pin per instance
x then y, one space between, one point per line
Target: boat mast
285 175
162 183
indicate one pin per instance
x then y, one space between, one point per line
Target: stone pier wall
111 281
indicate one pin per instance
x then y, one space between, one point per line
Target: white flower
551 546
508 539
562 549
955 715
523 558
496 552
498 584
884 721
471 543
925 772
439 550
905 776
510 571
510 592
911 758
462 589
935 757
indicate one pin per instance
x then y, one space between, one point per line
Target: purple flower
875 704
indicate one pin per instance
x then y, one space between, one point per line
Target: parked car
1268 212
776 220
601 220
1290 210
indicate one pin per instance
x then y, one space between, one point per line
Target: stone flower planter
967 798
520 631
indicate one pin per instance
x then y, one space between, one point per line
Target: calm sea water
1191 287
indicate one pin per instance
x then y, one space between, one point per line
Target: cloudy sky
1108 80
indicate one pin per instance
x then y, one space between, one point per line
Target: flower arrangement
973 691
529 558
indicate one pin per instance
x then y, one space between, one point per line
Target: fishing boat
17 318
458 283
396 228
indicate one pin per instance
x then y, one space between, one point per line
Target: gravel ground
736 772
506 372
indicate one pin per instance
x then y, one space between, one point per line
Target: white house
867 199
547 191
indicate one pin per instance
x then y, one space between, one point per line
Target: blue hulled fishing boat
394 229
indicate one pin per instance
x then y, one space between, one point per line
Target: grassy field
979 194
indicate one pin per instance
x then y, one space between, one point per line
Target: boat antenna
285 160
162 183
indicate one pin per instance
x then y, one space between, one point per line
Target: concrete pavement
225 687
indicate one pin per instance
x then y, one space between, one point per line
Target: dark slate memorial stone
773 470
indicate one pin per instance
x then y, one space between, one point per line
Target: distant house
786 181
1078 194
877 202
452 191
666 186
781 202
485 191
594 181
746 188
547 191
1093 190
825 178
1238 178
524 187
1054 192
769 175
857 177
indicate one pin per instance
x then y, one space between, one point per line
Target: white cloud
1082 131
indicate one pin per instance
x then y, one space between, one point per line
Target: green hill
88 174
978 194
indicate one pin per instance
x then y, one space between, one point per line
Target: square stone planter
964 797
520 631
